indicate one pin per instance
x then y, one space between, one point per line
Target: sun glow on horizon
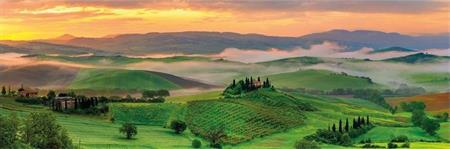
33 20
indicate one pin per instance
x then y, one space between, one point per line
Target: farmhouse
27 92
64 102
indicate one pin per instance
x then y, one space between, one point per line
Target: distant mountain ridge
198 42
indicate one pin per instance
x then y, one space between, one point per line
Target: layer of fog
325 49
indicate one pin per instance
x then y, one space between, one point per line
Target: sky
39 19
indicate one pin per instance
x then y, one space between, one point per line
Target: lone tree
129 130
178 126
3 91
215 135
430 126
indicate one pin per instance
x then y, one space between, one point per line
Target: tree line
343 133
246 85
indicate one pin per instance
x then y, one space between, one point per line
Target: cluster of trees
38 130
403 90
443 117
420 119
8 92
343 134
246 85
155 95
362 77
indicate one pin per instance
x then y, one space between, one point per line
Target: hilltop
320 80
418 58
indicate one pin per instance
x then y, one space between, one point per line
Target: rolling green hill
418 58
118 60
306 60
256 114
320 80
104 79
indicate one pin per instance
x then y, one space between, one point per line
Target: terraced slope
319 79
247 117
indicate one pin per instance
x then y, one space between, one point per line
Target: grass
330 111
384 134
201 96
245 118
433 81
319 79
98 132
107 79
156 114
119 60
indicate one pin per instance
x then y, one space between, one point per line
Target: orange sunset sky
38 19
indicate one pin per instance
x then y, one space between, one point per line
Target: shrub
129 130
368 145
430 126
401 138
405 145
42 131
391 145
29 100
178 126
8 131
345 140
305 144
417 117
196 143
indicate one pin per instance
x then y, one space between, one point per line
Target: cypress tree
363 122
346 125
76 103
354 124
268 83
329 129
367 120
333 128
340 126
358 122
234 83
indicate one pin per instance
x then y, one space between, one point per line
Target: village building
64 102
27 92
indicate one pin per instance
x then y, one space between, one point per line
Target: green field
107 79
200 96
259 120
384 134
319 79
145 113
119 60
433 81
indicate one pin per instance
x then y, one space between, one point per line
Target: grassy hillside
439 81
104 79
319 79
118 60
418 58
95 132
438 102
144 113
257 114
294 61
